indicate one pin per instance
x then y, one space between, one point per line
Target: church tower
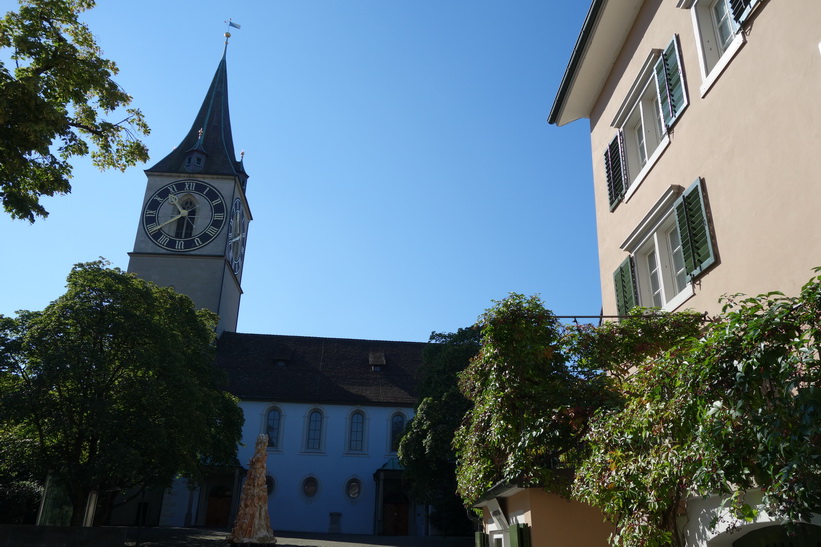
194 219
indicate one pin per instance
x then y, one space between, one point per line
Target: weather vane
228 32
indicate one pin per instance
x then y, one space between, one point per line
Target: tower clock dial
184 215
237 229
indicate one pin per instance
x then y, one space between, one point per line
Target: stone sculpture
253 524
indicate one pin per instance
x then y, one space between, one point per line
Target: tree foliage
55 104
426 449
732 412
530 401
114 384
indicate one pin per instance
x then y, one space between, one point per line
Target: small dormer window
194 161
377 360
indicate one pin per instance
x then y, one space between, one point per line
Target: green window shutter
741 9
519 535
670 83
480 539
694 230
625 281
615 168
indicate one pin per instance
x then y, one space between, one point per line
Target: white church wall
175 504
332 466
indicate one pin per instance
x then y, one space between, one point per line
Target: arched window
272 427
397 430
184 228
313 440
356 436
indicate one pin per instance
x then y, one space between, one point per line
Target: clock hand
237 238
155 228
183 213
175 201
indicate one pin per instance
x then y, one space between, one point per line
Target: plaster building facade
704 124
703 128
334 409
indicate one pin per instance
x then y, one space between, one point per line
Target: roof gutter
575 59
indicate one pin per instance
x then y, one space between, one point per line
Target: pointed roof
209 138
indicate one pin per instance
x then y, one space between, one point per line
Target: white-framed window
660 265
718 26
654 103
314 430
273 427
667 250
356 438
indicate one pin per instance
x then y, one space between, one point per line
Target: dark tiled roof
210 134
319 370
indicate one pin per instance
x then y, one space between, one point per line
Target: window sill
651 161
313 452
680 298
732 50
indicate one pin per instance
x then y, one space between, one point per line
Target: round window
270 484
353 488
309 487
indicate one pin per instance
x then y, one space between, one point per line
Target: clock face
184 215
237 227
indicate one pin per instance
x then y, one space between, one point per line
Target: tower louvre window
184 227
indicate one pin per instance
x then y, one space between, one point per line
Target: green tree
426 450
54 105
115 383
734 411
530 401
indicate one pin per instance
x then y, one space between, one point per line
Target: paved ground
200 537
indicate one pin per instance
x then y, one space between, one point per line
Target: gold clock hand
183 213
175 201
155 228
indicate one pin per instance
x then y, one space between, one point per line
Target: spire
209 146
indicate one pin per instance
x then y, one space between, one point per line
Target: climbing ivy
734 411
530 401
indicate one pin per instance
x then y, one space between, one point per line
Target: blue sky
403 175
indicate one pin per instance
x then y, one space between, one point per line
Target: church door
395 514
219 507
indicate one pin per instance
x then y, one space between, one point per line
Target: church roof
209 138
320 370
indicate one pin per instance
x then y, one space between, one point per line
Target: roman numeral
219 216
163 239
172 188
152 227
150 212
197 241
211 231
216 202
180 245
190 186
